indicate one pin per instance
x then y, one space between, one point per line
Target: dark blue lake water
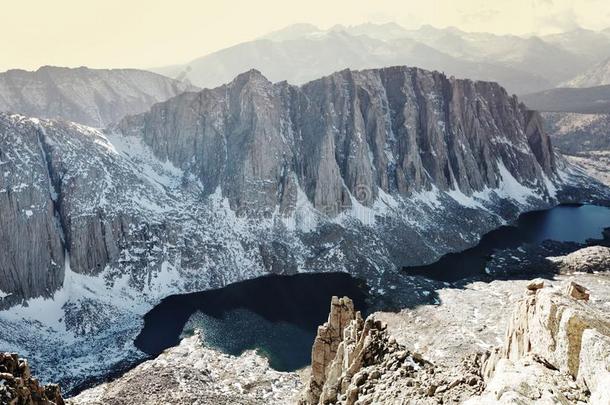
279 315
564 223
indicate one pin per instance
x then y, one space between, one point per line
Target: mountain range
95 97
303 52
359 171
353 143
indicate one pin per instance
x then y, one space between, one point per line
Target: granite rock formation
396 143
326 345
352 134
554 336
95 97
18 387
365 365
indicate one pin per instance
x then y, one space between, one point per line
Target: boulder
535 284
576 291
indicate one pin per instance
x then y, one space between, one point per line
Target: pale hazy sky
146 33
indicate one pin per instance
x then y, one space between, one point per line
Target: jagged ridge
352 134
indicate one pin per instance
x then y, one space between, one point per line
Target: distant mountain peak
292 31
301 52
95 97
252 75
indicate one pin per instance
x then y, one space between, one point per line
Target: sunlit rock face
351 134
553 338
20 387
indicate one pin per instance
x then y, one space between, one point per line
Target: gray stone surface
191 373
399 130
558 329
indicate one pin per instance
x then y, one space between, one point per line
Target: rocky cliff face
353 134
31 234
356 361
93 97
362 172
18 387
397 144
69 203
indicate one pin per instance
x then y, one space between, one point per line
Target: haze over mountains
302 52
590 100
597 75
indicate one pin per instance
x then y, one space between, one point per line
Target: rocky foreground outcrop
356 361
557 348
18 387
